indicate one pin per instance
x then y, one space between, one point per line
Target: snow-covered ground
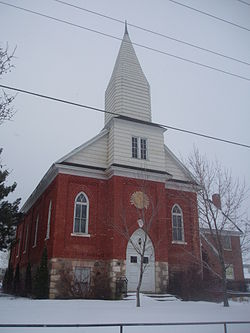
153 310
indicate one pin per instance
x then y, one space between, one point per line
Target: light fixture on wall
140 223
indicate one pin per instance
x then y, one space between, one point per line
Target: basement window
81 280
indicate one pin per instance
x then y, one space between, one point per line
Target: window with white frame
139 148
177 224
36 231
81 213
18 247
230 272
26 239
226 242
49 218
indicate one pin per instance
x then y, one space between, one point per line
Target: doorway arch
133 262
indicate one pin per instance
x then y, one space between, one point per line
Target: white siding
110 152
175 167
120 145
95 154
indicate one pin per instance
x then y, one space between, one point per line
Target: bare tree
146 211
6 110
220 204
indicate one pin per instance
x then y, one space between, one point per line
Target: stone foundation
161 276
112 269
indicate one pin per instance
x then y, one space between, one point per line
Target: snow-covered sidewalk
25 311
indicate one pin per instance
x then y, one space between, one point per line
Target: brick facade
109 206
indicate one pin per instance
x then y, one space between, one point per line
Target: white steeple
128 91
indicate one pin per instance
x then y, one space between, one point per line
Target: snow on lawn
26 311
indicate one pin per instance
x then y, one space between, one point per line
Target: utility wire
136 44
153 32
210 15
125 117
244 2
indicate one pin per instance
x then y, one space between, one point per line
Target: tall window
134 147
49 218
226 242
36 231
177 224
143 149
26 239
139 148
230 272
18 247
81 214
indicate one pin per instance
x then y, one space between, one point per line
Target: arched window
177 224
81 214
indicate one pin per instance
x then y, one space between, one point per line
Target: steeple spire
126 28
128 91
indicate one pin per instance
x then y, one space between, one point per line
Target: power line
136 44
154 32
210 15
244 2
129 118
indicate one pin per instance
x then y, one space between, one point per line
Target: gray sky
75 64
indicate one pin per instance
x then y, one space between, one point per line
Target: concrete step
162 297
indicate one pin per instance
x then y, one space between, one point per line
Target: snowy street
153 310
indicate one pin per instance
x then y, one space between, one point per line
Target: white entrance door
133 262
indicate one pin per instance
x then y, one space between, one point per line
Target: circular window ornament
140 200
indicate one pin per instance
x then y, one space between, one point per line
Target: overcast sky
75 64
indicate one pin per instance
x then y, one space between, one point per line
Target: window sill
179 242
140 159
79 235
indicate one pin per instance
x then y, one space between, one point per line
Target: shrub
41 281
187 284
16 282
8 280
68 287
28 281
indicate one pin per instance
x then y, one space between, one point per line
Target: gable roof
92 152
175 167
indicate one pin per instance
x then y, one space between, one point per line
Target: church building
97 203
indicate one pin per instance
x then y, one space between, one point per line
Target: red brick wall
41 208
110 206
181 255
232 256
